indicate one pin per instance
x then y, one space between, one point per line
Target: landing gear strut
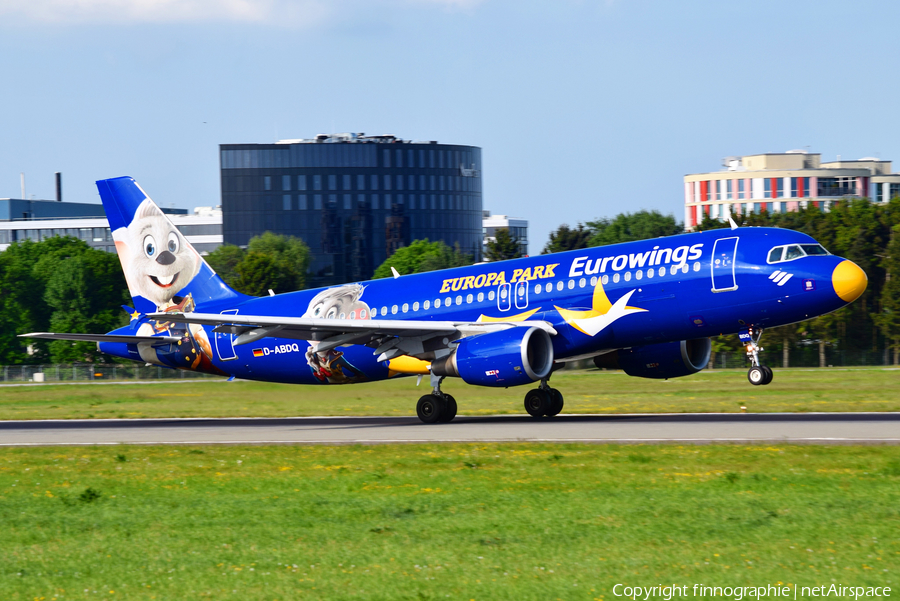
544 401
437 407
758 374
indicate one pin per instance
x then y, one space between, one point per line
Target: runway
816 428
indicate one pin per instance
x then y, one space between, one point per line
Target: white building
203 229
518 229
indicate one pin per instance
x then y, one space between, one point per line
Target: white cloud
448 3
161 11
284 12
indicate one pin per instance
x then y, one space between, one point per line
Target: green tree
628 227
888 319
257 273
291 255
504 246
22 307
224 261
566 238
63 285
246 271
446 258
422 256
85 294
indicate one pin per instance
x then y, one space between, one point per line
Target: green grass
488 521
588 391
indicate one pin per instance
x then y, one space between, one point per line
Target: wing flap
320 329
392 337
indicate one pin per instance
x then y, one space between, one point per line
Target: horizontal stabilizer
156 340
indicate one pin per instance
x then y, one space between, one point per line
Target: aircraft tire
556 403
537 402
449 409
431 408
756 375
769 374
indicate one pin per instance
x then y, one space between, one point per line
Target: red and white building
779 182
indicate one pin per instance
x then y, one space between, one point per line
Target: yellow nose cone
849 281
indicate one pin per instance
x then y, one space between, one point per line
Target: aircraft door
504 297
225 341
522 295
724 257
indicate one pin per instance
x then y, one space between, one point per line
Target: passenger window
775 254
792 252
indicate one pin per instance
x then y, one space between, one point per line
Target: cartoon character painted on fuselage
342 302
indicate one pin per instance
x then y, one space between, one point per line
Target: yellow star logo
602 314
135 315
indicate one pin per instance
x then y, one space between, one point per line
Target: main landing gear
440 408
758 374
437 407
543 401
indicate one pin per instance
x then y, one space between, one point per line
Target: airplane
646 307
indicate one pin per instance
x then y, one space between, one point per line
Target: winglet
734 226
395 272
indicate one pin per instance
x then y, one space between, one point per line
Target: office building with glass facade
784 182
354 199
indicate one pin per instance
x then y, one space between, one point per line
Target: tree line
58 285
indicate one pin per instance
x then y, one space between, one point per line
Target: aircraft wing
156 340
390 338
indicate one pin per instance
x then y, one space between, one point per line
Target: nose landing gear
758 374
544 401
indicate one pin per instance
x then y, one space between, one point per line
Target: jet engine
665 360
510 357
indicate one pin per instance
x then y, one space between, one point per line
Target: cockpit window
795 251
813 249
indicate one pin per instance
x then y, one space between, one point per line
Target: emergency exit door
724 257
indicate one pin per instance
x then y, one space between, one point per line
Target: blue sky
584 109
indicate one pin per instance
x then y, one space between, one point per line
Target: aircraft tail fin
161 267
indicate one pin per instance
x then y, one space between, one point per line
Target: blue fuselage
682 287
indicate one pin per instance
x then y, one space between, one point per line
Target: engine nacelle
510 357
666 360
